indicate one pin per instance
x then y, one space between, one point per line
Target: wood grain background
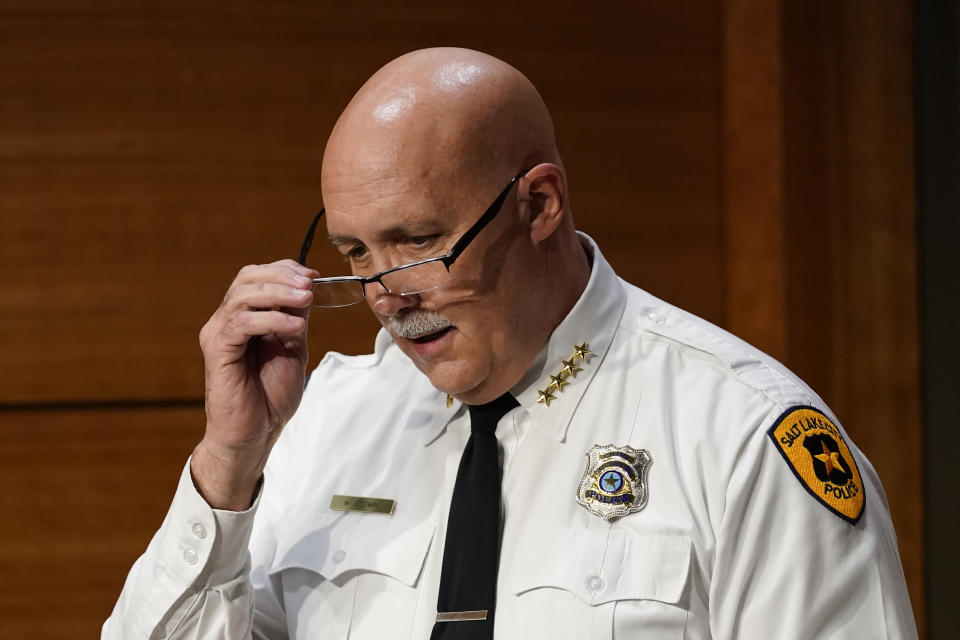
751 161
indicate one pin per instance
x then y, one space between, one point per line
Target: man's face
464 335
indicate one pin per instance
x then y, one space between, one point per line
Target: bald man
535 449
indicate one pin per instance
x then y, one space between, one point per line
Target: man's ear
546 193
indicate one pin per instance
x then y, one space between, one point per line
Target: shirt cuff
205 546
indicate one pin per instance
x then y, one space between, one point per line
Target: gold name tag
460 616
363 505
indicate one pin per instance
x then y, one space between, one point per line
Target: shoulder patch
818 455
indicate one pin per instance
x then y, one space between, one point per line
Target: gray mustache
418 323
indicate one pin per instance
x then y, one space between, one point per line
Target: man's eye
356 253
423 241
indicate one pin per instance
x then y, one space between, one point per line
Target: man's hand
255 356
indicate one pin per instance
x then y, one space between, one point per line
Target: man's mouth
430 337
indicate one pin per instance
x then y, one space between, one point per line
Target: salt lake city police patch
614 482
819 457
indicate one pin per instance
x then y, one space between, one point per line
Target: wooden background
750 160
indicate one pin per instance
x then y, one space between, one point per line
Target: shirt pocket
342 575
601 583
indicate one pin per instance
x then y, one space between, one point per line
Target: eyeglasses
408 279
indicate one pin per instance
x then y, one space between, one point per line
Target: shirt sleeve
193 581
787 567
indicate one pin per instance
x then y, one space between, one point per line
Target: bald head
436 116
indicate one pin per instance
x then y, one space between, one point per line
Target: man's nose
389 304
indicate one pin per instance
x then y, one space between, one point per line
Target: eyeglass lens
407 281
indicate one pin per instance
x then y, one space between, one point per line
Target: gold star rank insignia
557 383
569 368
567 371
545 396
818 455
580 351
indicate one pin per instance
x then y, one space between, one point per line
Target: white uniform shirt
731 543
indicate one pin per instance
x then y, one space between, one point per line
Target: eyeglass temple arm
308 239
484 220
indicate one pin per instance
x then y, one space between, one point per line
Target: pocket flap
602 566
334 547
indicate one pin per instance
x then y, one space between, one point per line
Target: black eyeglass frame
447 259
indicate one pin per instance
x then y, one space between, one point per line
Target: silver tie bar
460 616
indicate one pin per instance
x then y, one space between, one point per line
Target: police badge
614 482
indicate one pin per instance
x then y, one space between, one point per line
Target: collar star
557 382
570 368
545 396
581 351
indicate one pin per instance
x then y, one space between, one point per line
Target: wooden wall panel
83 492
753 175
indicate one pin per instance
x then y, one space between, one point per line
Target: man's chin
458 378
450 376
438 359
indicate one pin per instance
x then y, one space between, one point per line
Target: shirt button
656 317
595 583
190 556
199 530
339 556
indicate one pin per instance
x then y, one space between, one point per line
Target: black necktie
468 581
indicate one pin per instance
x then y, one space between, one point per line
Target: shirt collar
591 322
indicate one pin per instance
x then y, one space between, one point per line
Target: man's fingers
263 299
283 272
246 324
299 268
265 296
